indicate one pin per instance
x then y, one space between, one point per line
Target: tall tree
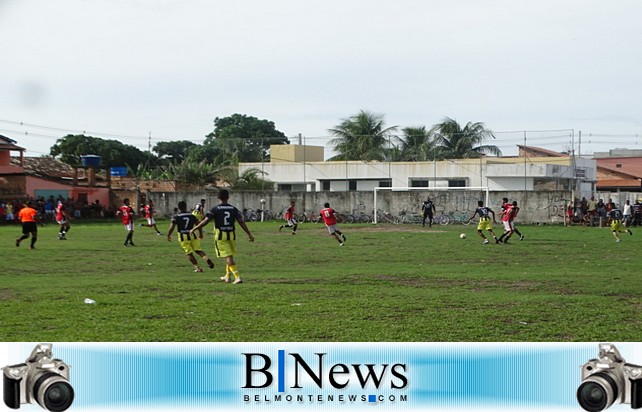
174 151
362 137
456 142
70 148
417 144
244 138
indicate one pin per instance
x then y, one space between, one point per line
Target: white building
302 168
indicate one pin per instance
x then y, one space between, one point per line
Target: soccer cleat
343 237
618 240
498 241
210 264
18 242
280 228
341 244
198 270
294 233
237 281
486 241
630 233
125 244
158 233
225 279
521 237
141 225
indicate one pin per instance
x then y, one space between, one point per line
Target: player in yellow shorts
225 216
615 217
190 242
484 221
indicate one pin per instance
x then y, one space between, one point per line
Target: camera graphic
608 380
41 379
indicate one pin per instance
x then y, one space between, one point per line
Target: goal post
428 189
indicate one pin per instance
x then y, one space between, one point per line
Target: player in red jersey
329 217
508 214
63 220
290 219
148 213
126 214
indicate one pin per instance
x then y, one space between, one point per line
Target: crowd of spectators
47 209
594 212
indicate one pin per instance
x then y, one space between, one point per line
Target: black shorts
29 227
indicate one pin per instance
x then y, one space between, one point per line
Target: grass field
388 283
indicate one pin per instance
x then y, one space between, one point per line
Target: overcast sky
168 67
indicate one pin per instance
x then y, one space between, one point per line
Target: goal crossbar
432 189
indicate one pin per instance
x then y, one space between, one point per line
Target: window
352 185
618 165
419 183
456 183
325 185
385 183
285 187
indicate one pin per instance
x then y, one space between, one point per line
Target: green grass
389 283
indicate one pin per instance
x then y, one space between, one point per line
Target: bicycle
387 217
442 219
461 218
412 218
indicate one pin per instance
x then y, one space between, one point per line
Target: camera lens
53 392
592 396
58 396
597 392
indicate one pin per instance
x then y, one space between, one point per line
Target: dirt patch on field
6 294
392 228
476 285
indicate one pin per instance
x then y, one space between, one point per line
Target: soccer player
199 213
484 221
199 210
513 216
225 216
29 218
615 218
126 213
504 207
148 212
507 222
63 220
428 208
190 243
329 217
290 220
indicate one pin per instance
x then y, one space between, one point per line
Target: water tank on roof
90 160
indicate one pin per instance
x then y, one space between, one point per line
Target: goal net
396 200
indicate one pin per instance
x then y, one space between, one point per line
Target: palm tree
456 142
362 137
417 144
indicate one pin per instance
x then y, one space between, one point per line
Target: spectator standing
627 213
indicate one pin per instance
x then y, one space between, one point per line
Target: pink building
22 177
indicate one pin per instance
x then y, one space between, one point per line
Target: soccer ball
262 201
463 236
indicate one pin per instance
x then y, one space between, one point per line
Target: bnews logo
293 372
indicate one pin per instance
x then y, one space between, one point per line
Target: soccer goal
483 189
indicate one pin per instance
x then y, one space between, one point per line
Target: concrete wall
536 207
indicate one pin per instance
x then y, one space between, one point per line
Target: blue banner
322 376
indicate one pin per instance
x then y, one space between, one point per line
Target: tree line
242 138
